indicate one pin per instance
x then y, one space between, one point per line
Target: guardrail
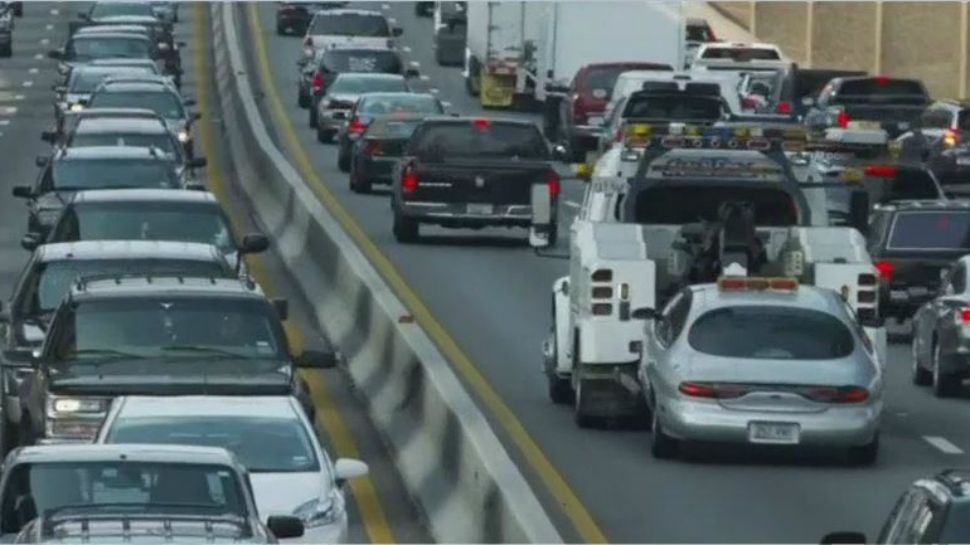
451 461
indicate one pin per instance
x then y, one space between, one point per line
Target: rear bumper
331 120
708 421
904 302
377 170
458 215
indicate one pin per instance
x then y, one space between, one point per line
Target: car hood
282 493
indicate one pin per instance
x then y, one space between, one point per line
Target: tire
553 234
358 185
943 385
471 87
302 100
312 117
343 160
280 30
406 230
26 434
9 440
7 51
920 375
662 446
866 455
581 417
560 389
324 136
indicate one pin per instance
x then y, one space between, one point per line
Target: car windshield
350 24
84 81
381 105
271 444
441 141
52 280
688 204
161 141
103 47
674 108
349 85
117 9
120 487
166 221
741 54
368 61
930 230
199 327
113 173
771 332
163 103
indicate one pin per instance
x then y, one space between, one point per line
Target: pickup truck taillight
580 115
784 107
356 126
409 180
885 269
552 182
317 81
842 119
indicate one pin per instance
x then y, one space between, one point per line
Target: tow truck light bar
753 283
679 135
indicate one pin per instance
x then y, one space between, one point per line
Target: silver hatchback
761 361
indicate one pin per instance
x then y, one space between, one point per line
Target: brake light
885 269
409 180
844 394
317 81
373 147
712 390
842 119
784 107
881 79
480 123
695 389
881 171
356 126
552 182
965 314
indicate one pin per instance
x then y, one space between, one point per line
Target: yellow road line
549 475
364 490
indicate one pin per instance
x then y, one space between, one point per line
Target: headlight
316 513
184 136
77 107
68 406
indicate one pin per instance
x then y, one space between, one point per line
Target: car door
926 319
948 305
660 336
901 517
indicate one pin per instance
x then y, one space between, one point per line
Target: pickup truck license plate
773 432
480 209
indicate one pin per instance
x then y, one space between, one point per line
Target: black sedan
373 106
294 17
375 153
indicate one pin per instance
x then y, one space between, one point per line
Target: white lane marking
33 71
942 444
571 204
28 83
385 6
39 56
10 110
55 12
45 41
425 77
50 27
406 48
434 90
4 122
18 97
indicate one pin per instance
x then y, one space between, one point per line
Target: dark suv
932 510
166 335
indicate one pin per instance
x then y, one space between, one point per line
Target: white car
291 474
349 28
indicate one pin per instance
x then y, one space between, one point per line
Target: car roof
140 82
349 11
924 204
368 75
165 285
735 45
110 36
120 62
109 69
97 29
126 249
145 195
121 125
170 454
134 18
209 406
397 94
109 152
709 297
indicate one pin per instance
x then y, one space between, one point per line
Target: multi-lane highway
380 510
485 298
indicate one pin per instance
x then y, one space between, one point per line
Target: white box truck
524 49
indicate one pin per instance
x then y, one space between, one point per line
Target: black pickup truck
470 173
911 242
894 103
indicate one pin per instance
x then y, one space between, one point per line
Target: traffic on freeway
698 292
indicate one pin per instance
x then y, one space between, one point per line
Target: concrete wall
926 40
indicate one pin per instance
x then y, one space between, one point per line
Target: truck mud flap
498 91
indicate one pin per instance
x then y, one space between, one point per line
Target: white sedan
291 474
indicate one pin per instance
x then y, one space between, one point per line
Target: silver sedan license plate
781 433
480 209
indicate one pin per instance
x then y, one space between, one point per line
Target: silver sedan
761 362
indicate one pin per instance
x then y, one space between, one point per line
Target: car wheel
303 100
560 390
582 418
662 445
312 118
357 184
324 136
9 437
343 160
472 83
7 51
920 375
944 385
26 434
865 455
280 30
406 230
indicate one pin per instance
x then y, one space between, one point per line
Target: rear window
674 108
769 332
350 24
603 78
355 85
380 62
400 104
689 204
741 54
896 91
930 230
441 141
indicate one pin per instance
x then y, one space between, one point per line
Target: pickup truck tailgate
497 182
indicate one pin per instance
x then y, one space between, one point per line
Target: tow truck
680 205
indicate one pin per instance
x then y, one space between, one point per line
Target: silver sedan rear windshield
771 332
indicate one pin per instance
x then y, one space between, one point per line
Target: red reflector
409 180
965 314
881 79
552 181
842 119
480 123
356 126
784 107
881 171
695 389
885 269
317 81
845 394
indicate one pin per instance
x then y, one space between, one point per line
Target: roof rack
81 282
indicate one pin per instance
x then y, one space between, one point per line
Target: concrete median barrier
451 461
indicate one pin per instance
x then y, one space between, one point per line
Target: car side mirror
197 162
41 160
55 54
397 31
834 538
282 307
23 191
543 219
559 153
413 70
48 136
254 243
285 526
345 469
316 359
83 16
645 313
30 241
180 44
189 102
859 211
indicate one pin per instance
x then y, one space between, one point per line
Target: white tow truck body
618 266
